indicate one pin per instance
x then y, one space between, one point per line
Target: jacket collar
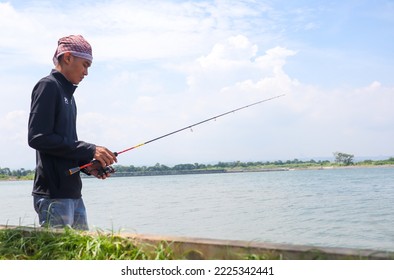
67 85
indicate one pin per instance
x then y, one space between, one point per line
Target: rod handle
74 170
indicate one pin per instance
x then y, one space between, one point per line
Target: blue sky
162 65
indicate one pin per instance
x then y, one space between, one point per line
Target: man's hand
104 156
98 171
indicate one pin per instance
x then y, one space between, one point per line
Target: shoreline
221 171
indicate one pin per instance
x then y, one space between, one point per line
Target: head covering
76 45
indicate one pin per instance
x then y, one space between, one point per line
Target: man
52 133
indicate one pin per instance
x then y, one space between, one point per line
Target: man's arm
42 135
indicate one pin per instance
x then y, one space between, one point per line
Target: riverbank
46 244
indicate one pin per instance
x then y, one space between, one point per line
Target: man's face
76 69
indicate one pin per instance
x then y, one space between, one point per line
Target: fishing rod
77 169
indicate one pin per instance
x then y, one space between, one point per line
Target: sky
163 65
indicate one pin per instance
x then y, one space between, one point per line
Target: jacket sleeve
42 134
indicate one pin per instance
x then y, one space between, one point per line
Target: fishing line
77 169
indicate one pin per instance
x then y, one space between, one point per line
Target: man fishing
52 133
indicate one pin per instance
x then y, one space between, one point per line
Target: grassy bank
16 178
44 244
38 244
19 244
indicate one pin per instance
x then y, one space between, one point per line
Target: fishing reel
106 170
96 167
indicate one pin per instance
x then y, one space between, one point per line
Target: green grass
19 244
68 244
46 244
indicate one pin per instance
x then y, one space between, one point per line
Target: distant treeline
22 173
6 173
295 163
219 165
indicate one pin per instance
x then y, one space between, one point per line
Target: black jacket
52 132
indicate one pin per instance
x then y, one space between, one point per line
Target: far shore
233 170
345 167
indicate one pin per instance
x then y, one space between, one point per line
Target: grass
69 244
19 244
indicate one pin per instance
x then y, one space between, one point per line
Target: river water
351 208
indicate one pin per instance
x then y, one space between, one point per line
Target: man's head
73 57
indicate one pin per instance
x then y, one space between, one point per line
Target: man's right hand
104 156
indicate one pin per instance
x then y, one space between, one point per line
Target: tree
5 171
343 158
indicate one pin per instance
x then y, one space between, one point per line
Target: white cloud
120 30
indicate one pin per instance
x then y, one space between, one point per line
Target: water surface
339 207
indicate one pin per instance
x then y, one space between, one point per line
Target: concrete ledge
211 249
203 248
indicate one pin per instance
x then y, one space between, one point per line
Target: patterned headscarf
76 45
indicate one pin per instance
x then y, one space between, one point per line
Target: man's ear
67 57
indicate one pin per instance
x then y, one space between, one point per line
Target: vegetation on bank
45 244
19 244
20 174
38 244
341 159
